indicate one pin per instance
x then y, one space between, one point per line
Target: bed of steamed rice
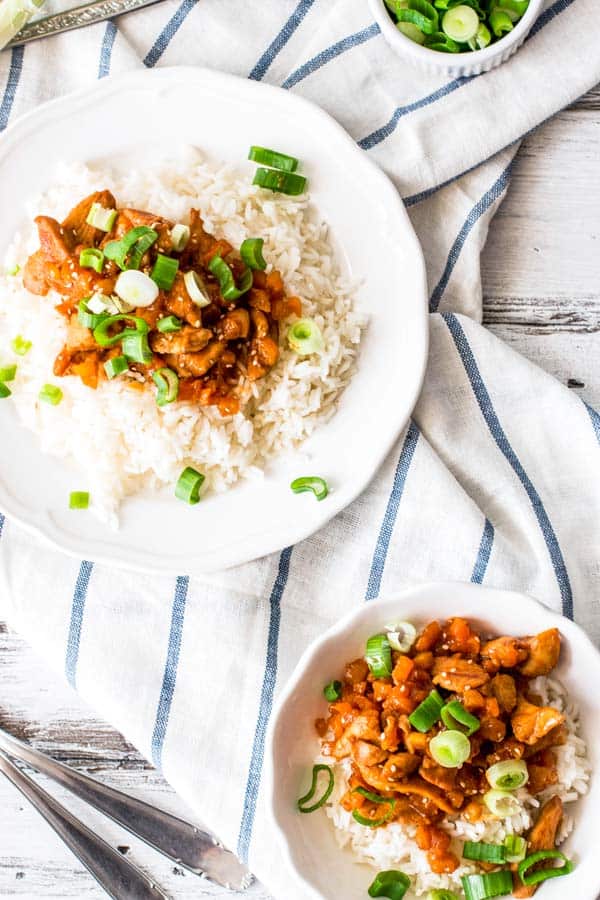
132 442
393 847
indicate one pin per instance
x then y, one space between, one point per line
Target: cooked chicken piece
510 749
260 323
234 325
504 690
456 674
356 671
52 239
473 700
34 274
458 637
544 652
443 778
399 765
196 364
428 637
542 837
78 337
75 226
554 738
504 653
420 788
416 742
541 777
437 843
365 754
179 302
364 727
373 776
188 340
492 729
530 723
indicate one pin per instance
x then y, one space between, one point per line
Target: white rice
132 443
393 847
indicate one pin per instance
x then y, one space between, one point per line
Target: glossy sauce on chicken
218 348
491 678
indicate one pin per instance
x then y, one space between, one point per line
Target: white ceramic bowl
325 871
457 64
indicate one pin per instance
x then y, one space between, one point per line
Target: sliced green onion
128 252
7 373
304 337
79 500
164 271
273 158
91 258
169 324
493 884
540 875
515 848
195 288
411 31
99 303
188 486
374 798
303 808
313 483
51 394
516 9
378 655
333 691
280 182
116 366
508 775
482 39
401 636
420 13
500 22
450 749
252 255
427 713
441 894
502 803
14 270
5 391
136 288
391 884
227 284
456 718
86 317
441 43
167 382
460 23
20 346
180 236
101 218
102 337
481 852
135 347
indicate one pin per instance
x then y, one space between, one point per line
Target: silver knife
70 19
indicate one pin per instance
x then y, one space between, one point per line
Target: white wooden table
542 295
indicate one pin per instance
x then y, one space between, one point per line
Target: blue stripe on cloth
265 707
484 553
108 42
1 523
77 611
499 435
276 46
168 33
389 519
325 56
380 134
482 205
595 420
170 673
12 83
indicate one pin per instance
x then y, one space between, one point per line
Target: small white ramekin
458 64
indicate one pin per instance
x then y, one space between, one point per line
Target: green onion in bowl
450 749
391 884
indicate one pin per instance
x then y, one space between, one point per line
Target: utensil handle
180 841
119 878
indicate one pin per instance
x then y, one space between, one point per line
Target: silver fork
180 841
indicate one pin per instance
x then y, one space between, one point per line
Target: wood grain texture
541 275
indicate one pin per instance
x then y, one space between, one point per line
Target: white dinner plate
129 118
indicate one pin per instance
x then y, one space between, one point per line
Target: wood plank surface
541 275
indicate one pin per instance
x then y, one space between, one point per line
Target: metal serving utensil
185 844
88 14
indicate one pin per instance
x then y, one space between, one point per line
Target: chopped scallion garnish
539 875
252 255
378 655
457 718
333 691
460 23
101 331
482 852
116 366
136 348
5 391
167 382
79 500
164 271
441 894
8 373
180 236
101 218
196 289
515 848
304 337
501 803
14 270
401 636
188 486
273 158
169 324
427 713
51 394
508 775
86 317
303 801
129 251
224 276
392 884
91 258
367 821
280 182
137 288
20 346
482 887
450 749
318 486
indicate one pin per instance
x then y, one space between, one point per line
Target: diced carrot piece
402 669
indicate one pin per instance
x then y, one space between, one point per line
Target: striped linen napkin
494 481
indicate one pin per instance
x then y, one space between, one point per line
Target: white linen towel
494 481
